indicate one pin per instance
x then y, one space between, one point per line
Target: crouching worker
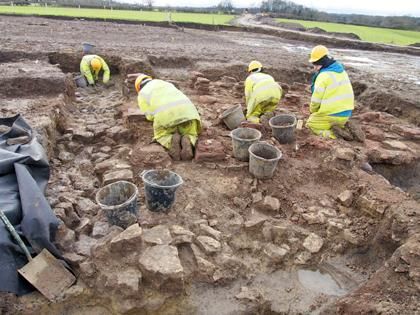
332 101
262 93
91 66
176 122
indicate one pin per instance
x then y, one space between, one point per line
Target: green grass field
366 33
152 16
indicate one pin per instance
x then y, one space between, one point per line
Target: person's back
167 106
332 100
176 122
261 87
262 93
333 90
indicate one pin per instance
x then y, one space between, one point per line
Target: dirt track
268 259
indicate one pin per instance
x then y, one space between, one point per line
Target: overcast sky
379 7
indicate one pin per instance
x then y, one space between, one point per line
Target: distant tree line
276 8
225 6
288 9
145 4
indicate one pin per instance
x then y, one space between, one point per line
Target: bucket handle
143 172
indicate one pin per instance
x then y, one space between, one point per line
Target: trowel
44 271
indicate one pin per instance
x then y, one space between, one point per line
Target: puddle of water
303 48
359 59
252 43
357 64
289 48
288 291
320 282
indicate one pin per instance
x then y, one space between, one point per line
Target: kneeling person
90 67
262 93
176 122
332 101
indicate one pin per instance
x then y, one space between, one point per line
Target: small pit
406 176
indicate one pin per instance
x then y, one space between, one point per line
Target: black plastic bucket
160 187
283 127
87 48
242 139
119 202
81 81
263 159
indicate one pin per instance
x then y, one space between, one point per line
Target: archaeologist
91 66
176 122
332 101
262 93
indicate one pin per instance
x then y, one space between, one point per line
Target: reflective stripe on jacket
87 71
165 105
260 87
332 91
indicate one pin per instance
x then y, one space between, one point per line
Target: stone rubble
161 261
157 235
129 239
313 243
208 245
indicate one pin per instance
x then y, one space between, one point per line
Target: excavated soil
335 231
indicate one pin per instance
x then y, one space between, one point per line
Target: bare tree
148 3
225 5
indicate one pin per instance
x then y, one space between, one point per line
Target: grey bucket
160 187
80 81
263 160
283 127
87 48
119 202
233 116
242 139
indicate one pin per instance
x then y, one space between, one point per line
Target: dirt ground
335 231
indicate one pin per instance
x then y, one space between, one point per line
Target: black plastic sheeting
24 174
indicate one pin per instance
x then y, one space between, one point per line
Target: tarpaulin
24 174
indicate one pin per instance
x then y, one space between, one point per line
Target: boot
266 118
356 131
342 133
248 124
187 149
175 149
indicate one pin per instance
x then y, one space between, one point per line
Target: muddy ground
335 231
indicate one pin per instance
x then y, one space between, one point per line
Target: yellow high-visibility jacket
260 87
165 105
89 73
332 92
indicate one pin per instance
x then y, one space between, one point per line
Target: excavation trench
406 176
267 258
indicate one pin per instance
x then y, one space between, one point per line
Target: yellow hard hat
254 65
96 64
139 80
317 53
